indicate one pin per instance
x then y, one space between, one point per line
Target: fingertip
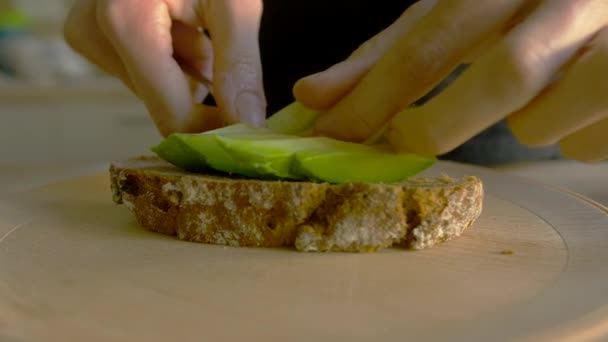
324 89
311 93
300 88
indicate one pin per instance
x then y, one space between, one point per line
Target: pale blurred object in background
42 60
55 107
32 48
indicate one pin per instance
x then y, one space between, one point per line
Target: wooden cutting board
74 266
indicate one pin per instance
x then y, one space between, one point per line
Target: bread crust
312 217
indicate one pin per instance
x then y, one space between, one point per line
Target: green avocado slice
368 165
174 150
267 154
272 156
220 157
204 151
198 152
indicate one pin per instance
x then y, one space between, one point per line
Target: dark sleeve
301 37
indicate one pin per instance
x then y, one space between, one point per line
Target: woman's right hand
159 49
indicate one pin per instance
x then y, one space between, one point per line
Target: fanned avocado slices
276 152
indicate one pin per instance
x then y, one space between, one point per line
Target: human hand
159 49
543 65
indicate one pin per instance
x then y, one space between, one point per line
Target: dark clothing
298 38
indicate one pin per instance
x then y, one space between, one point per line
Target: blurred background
55 107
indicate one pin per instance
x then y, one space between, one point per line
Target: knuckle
423 67
518 66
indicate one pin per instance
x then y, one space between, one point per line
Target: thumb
322 90
233 26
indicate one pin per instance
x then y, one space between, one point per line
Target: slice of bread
312 217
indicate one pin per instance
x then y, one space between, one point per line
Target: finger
140 32
193 48
84 36
576 101
196 69
501 82
190 42
415 64
237 72
198 90
322 90
210 116
589 144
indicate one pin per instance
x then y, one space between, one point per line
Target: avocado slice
199 152
174 150
227 155
204 151
266 154
210 147
272 156
321 159
359 164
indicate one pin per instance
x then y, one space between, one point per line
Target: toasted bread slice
312 217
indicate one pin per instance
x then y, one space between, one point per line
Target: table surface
358 295
590 180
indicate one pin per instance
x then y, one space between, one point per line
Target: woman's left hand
541 64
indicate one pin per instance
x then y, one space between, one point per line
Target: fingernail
251 109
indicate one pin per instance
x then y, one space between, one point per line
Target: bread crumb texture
312 217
